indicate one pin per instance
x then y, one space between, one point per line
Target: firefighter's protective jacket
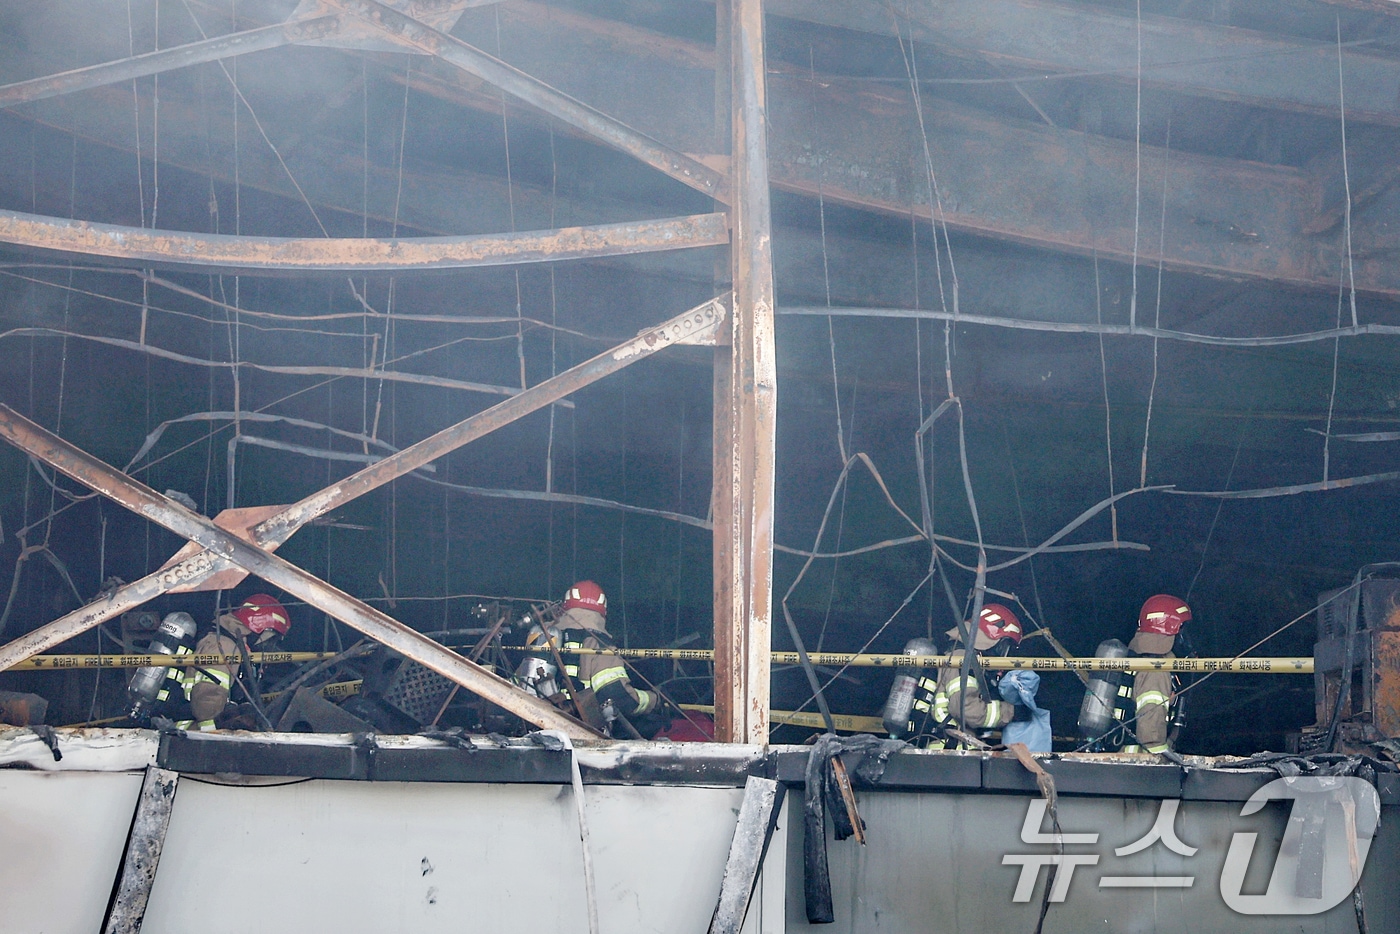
964 702
207 686
605 674
1152 694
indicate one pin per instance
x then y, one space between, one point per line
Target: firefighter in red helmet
1159 622
582 623
965 703
258 623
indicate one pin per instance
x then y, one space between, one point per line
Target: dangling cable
1137 177
1348 271
1157 321
1107 409
1346 173
510 202
390 332
826 265
1021 514
1220 504
553 356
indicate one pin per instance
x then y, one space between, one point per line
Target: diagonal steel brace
699 325
219 542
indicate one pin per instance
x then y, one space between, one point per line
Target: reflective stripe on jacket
1151 693
604 674
207 687
967 703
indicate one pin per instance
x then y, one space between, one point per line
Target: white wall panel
61 840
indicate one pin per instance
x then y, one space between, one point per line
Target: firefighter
256 625
195 696
965 703
1159 622
923 706
582 623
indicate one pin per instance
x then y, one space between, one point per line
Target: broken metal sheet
292 254
758 816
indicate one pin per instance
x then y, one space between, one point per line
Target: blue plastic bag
1020 687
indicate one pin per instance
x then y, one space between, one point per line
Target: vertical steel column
745 405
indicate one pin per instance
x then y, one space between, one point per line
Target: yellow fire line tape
1260 666
47 662
341 688
1256 666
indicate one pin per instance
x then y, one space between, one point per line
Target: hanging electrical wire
1107 407
1157 314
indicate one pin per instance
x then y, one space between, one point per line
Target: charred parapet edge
369 757
364 757
1075 775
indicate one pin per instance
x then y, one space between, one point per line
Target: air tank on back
1096 714
537 673
900 703
174 636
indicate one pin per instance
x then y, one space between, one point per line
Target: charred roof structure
1078 302
781 338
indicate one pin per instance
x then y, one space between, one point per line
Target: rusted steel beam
858 144
518 84
696 326
220 543
307 29
744 557
289 254
1191 57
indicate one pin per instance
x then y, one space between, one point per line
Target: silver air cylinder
1101 695
536 673
900 704
174 636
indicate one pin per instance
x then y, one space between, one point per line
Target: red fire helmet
586 595
997 623
261 612
1163 614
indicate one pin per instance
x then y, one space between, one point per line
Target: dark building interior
1153 253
